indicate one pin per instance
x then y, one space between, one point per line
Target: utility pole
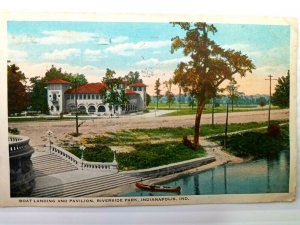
270 94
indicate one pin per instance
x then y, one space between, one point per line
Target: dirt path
36 131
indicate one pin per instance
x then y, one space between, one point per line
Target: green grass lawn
255 144
220 109
129 137
147 154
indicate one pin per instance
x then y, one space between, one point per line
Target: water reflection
269 175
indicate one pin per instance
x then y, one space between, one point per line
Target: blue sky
91 47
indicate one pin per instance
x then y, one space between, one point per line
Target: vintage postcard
128 110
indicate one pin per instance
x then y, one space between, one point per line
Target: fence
82 164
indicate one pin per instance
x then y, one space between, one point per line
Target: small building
62 98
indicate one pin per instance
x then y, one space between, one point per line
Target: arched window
101 108
82 109
92 109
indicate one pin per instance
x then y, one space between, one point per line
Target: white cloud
237 46
17 55
21 39
157 62
92 52
147 62
93 55
55 37
92 73
61 54
119 39
128 49
65 37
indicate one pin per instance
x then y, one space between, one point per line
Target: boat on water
142 186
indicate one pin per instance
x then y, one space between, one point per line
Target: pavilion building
61 98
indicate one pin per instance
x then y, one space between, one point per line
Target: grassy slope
147 154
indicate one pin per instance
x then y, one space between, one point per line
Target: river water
268 175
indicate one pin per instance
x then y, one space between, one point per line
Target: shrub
255 144
149 155
188 143
13 131
98 153
274 130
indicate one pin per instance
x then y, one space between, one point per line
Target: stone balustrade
19 146
22 178
82 164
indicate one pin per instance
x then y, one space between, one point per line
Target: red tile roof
138 84
58 81
130 92
90 88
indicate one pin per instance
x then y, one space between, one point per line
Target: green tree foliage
157 91
54 73
16 90
169 95
170 98
209 65
148 99
133 77
233 93
113 95
191 101
281 97
37 96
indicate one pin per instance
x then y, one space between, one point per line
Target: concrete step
85 187
85 182
51 164
39 173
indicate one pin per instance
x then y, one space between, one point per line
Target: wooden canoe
142 186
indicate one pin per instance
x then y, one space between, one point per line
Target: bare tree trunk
197 122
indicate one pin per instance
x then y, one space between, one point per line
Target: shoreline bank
211 148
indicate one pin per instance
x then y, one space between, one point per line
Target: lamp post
49 133
82 148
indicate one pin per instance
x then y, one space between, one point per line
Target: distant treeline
241 100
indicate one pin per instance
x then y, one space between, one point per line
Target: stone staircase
86 186
50 164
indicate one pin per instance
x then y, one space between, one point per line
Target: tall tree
76 79
133 77
16 90
37 95
148 99
209 65
112 95
169 95
56 73
281 97
233 93
170 98
157 91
